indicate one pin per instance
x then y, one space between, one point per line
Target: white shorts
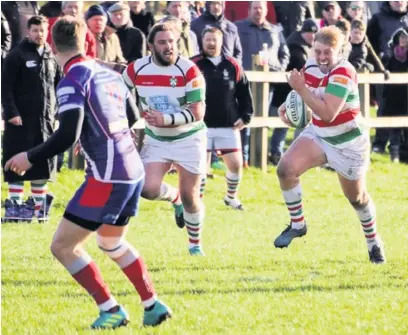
223 140
351 162
189 152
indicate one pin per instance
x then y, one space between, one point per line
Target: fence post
364 91
259 136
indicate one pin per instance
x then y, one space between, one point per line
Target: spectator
254 32
29 78
132 40
392 16
75 9
238 10
214 16
331 14
292 14
229 109
196 9
51 9
396 95
17 14
107 44
188 44
357 10
141 18
345 28
5 38
359 51
300 49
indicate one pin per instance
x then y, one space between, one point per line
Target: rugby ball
296 110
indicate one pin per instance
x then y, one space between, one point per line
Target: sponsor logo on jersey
173 81
196 83
340 80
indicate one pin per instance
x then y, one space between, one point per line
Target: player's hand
239 125
17 121
18 164
296 80
282 114
154 118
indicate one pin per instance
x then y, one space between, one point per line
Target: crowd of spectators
376 40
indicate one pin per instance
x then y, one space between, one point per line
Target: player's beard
159 59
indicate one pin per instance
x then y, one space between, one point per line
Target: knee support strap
114 247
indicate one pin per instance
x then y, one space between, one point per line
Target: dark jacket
252 39
382 26
143 21
5 37
228 94
10 10
396 95
231 43
358 56
292 14
51 9
28 90
300 52
132 42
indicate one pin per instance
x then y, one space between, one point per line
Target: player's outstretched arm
66 135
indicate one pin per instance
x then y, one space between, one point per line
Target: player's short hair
331 36
213 30
68 34
358 24
36 20
157 28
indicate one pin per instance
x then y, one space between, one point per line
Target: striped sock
16 191
194 225
293 200
202 185
169 193
233 180
88 275
39 192
368 223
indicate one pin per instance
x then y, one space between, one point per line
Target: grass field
322 284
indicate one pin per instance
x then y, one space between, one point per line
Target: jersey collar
74 60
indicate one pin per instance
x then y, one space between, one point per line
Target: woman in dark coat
396 95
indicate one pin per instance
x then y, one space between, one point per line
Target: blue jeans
382 135
245 135
395 140
278 136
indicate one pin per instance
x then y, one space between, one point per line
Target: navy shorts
97 203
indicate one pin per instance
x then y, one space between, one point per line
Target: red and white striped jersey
341 82
167 89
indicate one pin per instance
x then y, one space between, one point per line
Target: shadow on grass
261 289
203 291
